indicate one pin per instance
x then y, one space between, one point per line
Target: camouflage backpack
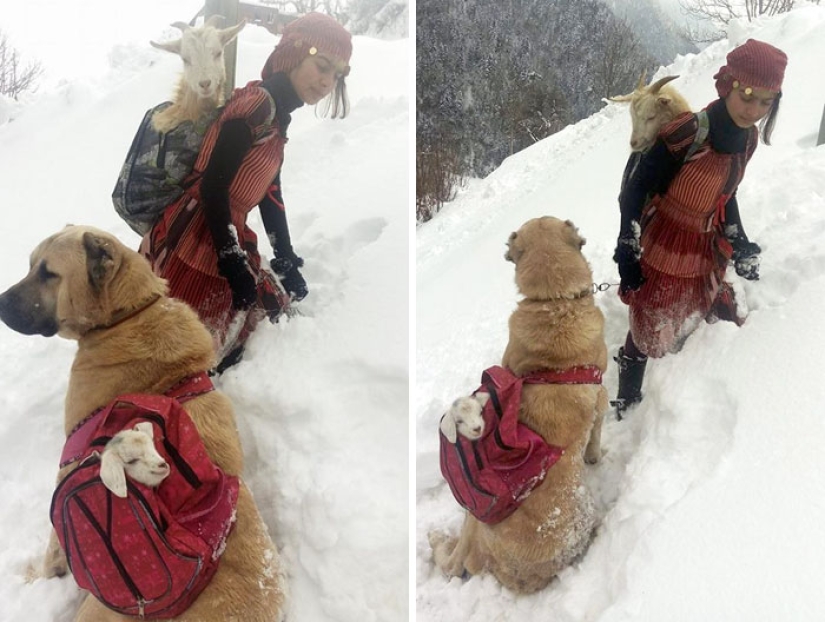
158 169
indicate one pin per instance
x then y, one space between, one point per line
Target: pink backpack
492 476
151 553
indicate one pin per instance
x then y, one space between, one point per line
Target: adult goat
200 87
651 107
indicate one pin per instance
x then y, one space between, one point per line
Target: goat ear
112 474
168 46
447 427
100 262
227 34
147 428
621 98
482 398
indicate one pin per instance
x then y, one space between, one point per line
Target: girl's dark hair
337 104
766 125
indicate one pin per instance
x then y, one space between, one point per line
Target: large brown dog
555 326
85 285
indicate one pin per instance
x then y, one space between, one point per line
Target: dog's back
556 326
133 339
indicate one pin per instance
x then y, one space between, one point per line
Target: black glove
235 269
286 268
627 256
746 258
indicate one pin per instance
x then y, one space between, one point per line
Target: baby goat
132 452
464 417
651 107
200 88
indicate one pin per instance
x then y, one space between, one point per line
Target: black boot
233 358
631 375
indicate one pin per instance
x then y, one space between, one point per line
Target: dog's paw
437 539
54 563
444 549
594 455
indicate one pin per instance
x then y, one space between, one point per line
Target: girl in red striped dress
202 245
680 218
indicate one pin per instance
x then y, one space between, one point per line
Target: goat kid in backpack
680 220
201 244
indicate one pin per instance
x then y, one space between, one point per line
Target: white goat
132 452
651 107
464 417
200 87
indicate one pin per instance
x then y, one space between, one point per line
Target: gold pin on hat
747 90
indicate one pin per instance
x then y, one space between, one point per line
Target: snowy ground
711 495
322 399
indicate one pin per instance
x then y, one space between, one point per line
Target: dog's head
79 279
548 258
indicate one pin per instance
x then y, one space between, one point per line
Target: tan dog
555 326
85 285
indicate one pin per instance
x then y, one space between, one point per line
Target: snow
322 399
710 499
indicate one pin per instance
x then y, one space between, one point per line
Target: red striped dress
685 252
179 246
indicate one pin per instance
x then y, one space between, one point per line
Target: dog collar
575 296
122 316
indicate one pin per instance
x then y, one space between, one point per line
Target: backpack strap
191 387
585 374
701 134
81 436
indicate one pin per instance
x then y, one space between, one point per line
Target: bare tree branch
719 13
15 79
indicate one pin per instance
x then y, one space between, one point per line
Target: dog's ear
447 427
112 474
100 262
575 239
512 253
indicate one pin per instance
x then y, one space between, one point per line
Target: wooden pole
228 9
821 139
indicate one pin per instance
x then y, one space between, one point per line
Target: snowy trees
494 78
379 18
14 79
718 13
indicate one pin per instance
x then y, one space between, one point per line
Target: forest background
525 69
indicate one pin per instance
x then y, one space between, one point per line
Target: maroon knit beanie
754 63
310 34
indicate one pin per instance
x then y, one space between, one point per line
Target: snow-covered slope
322 399
711 495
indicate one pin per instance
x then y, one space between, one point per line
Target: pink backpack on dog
492 476
151 553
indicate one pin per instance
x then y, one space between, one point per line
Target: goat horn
182 26
654 88
214 20
642 79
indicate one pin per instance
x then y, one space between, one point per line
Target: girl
202 245
680 221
